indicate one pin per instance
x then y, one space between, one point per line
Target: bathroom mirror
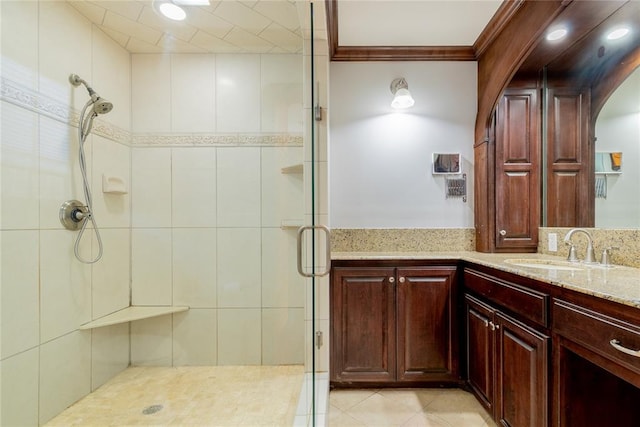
601 68
446 163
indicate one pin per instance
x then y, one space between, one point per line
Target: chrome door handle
327 269
616 344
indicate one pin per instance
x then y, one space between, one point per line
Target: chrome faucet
590 256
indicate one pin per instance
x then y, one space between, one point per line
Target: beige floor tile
348 398
426 420
378 410
416 398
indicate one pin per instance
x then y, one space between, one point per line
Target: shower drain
152 409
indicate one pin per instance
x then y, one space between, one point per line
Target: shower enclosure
214 186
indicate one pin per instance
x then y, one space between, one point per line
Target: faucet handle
572 257
606 255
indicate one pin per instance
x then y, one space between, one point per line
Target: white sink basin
545 264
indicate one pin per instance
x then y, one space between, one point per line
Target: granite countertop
618 283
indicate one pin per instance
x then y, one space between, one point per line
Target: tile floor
193 396
406 407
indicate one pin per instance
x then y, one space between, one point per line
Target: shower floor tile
194 396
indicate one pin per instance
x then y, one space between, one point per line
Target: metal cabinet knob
401 279
392 279
503 232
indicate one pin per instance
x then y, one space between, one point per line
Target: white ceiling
273 26
222 27
413 22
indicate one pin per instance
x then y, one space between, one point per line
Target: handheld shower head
102 106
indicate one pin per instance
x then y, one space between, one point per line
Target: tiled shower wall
211 134
46 362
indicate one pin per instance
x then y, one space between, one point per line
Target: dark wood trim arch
496 67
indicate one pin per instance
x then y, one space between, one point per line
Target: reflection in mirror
446 163
618 130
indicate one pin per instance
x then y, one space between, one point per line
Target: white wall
618 129
46 294
211 135
380 160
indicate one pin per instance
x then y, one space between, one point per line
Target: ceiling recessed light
172 11
557 34
618 33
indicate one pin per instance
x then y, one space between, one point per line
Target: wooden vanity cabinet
393 325
596 383
507 360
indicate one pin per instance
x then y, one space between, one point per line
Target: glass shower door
313 242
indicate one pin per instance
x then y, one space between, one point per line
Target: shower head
102 106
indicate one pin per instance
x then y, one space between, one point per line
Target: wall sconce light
401 96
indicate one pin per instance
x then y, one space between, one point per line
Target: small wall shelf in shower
129 314
293 169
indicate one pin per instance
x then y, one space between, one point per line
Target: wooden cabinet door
426 324
363 332
522 362
517 190
480 350
570 179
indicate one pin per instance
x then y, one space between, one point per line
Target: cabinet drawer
524 302
597 331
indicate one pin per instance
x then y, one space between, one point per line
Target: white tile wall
151 187
20 317
239 275
60 177
109 353
61 53
19 159
19 381
282 286
282 336
238 178
65 372
193 93
19 42
238 93
281 90
195 338
46 363
281 193
193 180
194 267
151 266
65 284
151 342
110 159
150 93
109 80
110 276
239 336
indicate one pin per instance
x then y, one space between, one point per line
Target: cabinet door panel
480 350
517 170
521 374
425 324
363 325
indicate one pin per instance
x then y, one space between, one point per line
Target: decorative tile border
402 240
23 97
32 100
195 139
